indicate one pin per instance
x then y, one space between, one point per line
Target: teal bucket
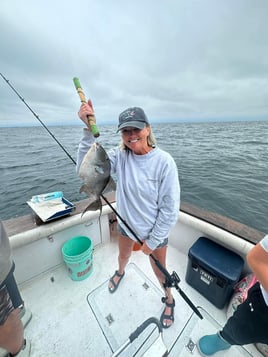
77 254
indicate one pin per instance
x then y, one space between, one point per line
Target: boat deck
81 318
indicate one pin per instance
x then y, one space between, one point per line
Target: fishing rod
90 118
171 280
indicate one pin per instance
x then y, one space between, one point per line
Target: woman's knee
124 255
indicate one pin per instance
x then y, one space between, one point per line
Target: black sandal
168 317
115 285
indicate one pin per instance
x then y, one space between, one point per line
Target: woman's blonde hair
150 140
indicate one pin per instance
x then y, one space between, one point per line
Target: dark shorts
5 305
123 233
249 323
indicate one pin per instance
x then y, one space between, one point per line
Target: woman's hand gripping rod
172 280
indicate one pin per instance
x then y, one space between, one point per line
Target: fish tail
93 206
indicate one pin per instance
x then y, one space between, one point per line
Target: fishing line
172 280
37 117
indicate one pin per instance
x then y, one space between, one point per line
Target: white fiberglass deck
72 318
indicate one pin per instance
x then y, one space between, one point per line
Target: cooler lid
217 258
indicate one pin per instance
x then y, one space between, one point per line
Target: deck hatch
120 313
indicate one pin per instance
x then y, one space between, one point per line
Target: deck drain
146 286
110 319
191 345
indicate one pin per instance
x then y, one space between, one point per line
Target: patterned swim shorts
5 305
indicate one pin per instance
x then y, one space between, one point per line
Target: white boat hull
69 317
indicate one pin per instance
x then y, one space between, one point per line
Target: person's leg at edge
160 255
247 325
15 296
208 345
11 333
125 245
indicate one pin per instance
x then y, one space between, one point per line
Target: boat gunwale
17 226
227 224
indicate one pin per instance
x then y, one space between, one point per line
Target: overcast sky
178 59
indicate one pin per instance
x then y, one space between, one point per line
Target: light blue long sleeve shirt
147 193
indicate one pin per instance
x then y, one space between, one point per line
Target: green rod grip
93 126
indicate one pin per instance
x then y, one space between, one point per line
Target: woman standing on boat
249 323
11 326
147 194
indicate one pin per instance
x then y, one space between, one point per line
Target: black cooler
213 270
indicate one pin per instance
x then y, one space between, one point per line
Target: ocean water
222 166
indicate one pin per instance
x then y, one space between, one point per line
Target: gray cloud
178 59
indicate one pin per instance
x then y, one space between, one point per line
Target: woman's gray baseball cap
133 117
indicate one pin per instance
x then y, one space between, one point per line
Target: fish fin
110 187
90 194
93 206
83 188
99 170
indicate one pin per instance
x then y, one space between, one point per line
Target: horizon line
156 121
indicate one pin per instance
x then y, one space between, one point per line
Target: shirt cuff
153 242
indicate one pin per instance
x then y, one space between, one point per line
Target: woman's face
136 139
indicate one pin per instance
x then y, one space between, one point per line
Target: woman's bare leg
160 255
125 245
